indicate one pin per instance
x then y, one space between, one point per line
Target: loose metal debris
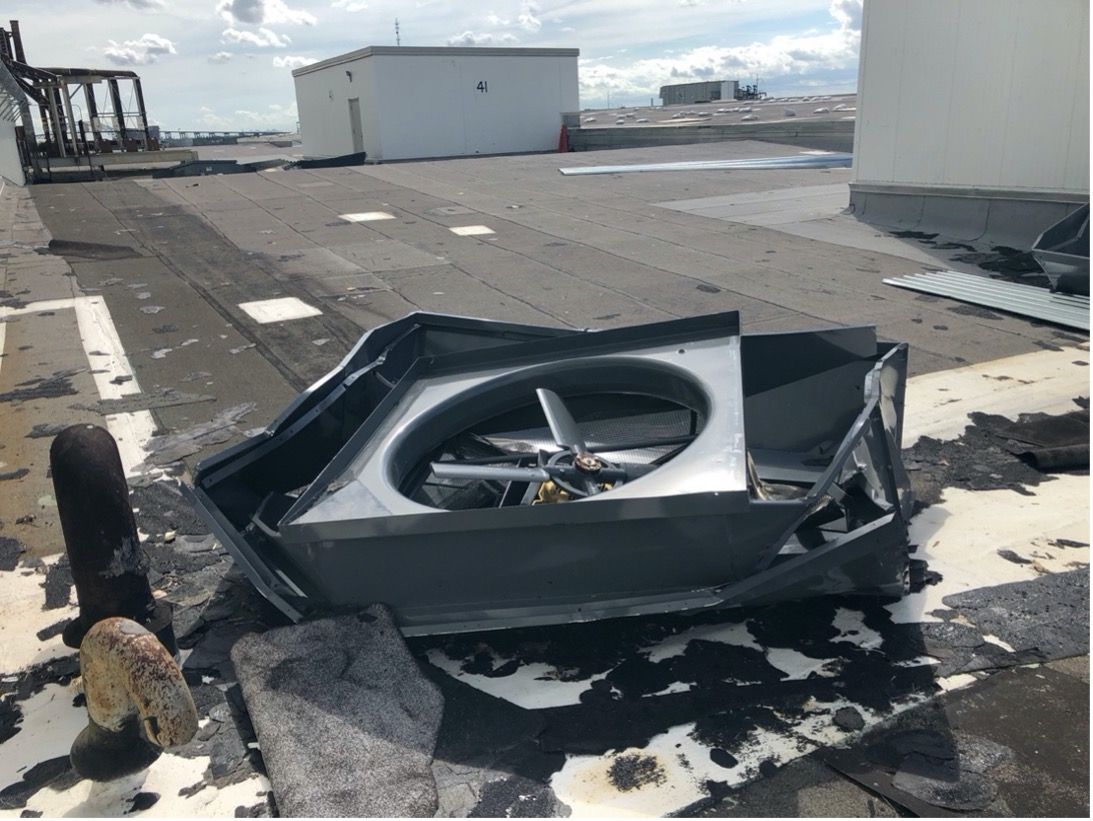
1068 310
1063 252
815 160
475 475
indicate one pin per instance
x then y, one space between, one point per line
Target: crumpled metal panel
1063 252
317 513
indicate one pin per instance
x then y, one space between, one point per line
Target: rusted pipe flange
137 701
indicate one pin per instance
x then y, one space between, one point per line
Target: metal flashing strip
804 160
433 51
1025 300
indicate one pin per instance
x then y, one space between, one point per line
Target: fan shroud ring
513 394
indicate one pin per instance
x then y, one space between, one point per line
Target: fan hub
588 463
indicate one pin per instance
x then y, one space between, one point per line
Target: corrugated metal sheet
812 160
1025 300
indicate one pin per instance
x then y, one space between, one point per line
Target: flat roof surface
190 311
435 51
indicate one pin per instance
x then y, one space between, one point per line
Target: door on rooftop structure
355 124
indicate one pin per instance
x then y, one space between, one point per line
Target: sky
226 64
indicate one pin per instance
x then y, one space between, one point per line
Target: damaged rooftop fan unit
475 475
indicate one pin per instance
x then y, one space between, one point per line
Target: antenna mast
398 40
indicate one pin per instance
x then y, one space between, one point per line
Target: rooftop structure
396 103
702 92
65 140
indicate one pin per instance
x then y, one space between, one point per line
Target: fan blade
498 473
562 425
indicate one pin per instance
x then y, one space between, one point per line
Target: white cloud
793 55
261 38
349 5
136 4
275 117
292 62
220 57
527 19
263 12
848 13
243 11
138 52
208 118
470 39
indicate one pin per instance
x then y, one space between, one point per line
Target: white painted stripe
471 230
131 431
97 332
283 309
44 305
107 361
367 216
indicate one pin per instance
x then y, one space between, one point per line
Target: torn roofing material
811 160
1069 310
475 474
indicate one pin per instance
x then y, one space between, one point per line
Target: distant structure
959 134
399 103
60 139
707 92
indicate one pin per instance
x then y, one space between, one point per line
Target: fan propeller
585 473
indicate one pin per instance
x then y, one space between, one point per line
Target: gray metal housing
313 512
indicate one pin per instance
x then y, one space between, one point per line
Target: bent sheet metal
474 474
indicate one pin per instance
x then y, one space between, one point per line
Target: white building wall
322 102
10 166
990 94
437 102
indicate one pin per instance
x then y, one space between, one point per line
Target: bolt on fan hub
587 463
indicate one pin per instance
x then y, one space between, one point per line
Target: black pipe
108 564
17 41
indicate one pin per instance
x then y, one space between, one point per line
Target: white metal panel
11 167
880 73
975 120
920 142
1077 164
1040 110
974 93
437 106
418 106
322 100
